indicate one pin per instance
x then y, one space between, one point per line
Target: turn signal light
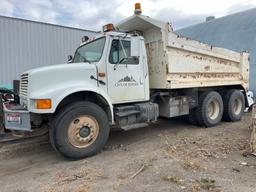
43 104
108 27
102 74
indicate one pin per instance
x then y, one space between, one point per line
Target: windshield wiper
86 60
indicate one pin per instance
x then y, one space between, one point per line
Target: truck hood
64 66
40 82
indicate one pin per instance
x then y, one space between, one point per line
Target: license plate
13 118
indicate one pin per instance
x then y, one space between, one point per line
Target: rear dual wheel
234 105
212 108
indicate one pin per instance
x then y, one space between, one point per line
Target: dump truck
125 78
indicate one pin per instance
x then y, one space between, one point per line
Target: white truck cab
126 78
96 67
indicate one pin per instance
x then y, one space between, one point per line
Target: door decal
127 82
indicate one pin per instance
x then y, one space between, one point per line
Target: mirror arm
121 43
119 62
115 66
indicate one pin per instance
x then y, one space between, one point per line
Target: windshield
90 52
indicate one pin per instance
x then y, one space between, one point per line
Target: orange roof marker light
108 27
137 10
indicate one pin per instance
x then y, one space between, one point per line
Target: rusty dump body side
177 62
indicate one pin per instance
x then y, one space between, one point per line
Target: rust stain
198 57
213 76
210 59
207 68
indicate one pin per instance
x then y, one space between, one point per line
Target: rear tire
79 130
210 109
234 105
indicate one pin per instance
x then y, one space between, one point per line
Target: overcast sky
92 14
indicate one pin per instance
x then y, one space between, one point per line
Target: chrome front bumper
16 117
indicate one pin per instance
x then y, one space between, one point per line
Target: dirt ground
168 156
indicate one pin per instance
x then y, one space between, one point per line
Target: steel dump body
177 62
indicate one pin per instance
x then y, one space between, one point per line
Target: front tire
210 109
80 130
234 104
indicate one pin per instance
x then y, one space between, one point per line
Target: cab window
120 53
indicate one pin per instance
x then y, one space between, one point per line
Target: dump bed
177 62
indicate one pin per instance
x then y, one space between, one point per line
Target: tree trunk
253 135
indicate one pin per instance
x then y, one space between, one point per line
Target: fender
58 82
57 95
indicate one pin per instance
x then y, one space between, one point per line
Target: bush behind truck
127 77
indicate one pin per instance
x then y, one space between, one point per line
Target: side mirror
70 58
135 46
85 38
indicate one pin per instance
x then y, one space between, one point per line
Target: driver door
125 73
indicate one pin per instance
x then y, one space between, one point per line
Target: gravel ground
168 156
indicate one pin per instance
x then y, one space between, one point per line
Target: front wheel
80 130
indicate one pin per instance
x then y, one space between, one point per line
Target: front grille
24 84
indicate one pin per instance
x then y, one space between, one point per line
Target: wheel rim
237 106
83 131
213 109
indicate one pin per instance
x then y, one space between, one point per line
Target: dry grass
208 184
190 164
173 179
74 180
